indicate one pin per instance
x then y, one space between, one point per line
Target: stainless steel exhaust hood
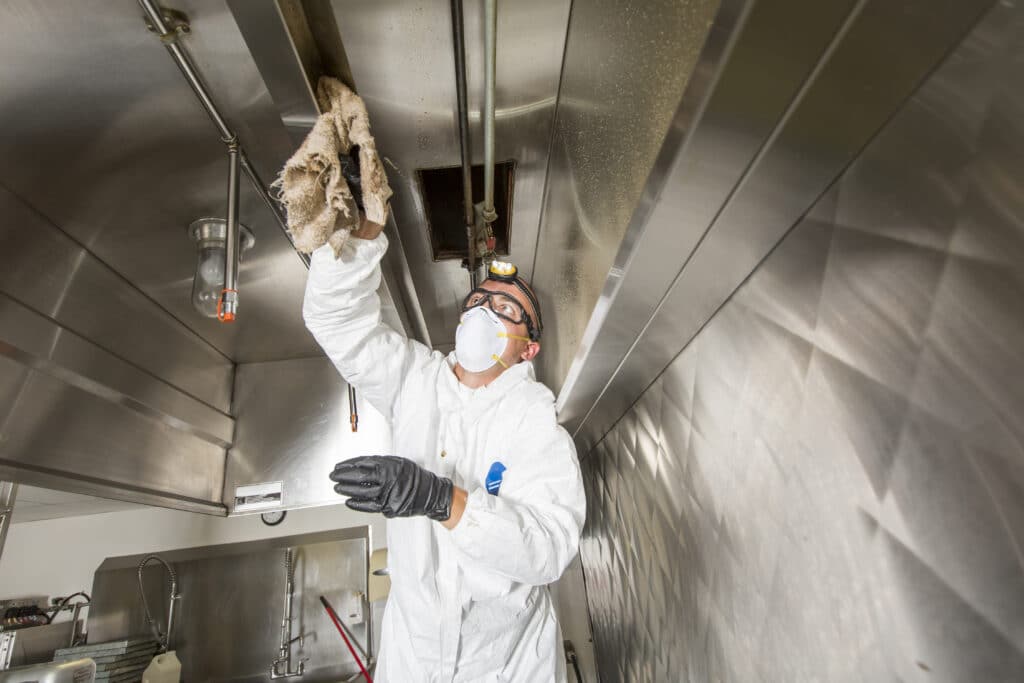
111 383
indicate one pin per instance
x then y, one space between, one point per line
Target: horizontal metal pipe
188 70
181 58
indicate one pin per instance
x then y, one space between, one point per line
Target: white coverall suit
469 604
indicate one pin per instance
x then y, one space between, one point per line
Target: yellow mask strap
506 335
495 357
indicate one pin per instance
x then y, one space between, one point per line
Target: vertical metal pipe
458 39
490 59
232 246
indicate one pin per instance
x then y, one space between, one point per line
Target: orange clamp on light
222 315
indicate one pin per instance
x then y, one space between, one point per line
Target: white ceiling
34 504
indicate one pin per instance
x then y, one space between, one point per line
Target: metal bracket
7 639
177 23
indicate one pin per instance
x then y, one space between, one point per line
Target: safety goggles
503 305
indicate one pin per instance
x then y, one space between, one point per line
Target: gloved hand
396 487
350 169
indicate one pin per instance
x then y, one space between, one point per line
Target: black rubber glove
350 170
394 486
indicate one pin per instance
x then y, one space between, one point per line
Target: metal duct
826 483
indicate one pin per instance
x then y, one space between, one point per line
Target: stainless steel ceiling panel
112 147
863 77
48 272
401 57
295 427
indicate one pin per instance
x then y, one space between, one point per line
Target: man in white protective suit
483 494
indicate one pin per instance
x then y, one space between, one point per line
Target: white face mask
480 339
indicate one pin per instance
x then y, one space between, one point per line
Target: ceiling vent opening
441 189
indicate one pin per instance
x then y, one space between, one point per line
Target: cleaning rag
321 206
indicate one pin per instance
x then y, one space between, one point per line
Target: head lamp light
503 271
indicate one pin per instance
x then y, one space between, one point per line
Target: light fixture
210 236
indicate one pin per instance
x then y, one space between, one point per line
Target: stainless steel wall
228 620
293 428
826 483
624 70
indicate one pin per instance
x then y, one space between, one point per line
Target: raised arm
342 310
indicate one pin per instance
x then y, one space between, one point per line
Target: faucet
284 655
163 639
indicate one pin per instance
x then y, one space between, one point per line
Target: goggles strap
533 301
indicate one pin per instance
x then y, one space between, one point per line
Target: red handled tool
337 624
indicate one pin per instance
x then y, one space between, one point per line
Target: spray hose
337 624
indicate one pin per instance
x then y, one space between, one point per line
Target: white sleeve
342 310
530 531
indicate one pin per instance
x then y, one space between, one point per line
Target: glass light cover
208 281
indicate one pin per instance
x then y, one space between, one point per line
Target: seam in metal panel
551 140
111 269
104 392
149 496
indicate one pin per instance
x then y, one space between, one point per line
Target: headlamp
503 271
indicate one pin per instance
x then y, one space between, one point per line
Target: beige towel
320 205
